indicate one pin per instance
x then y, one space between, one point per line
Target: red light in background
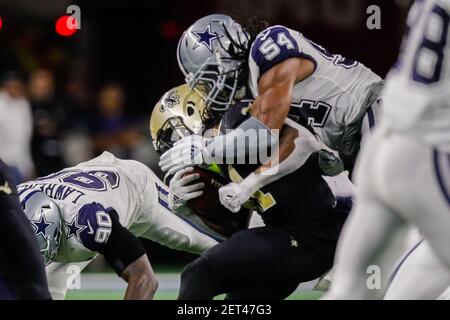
66 26
1 23
171 30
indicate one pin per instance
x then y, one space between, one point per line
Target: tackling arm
170 230
272 105
297 144
126 255
141 279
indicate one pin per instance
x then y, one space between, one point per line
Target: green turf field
110 287
118 295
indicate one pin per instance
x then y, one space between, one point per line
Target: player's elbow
150 283
146 282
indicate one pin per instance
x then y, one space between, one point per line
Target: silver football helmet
45 217
212 55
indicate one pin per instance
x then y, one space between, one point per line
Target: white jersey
87 193
417 94
334 96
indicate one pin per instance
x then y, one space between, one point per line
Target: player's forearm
297 145
246 141
286 147
141 279
272 107
171 231
141 288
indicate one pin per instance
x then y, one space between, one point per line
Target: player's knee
198 281
194 270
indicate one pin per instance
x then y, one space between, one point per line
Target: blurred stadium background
64 100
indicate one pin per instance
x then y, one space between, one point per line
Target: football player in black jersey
296 244
22 274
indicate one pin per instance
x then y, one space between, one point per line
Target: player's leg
426 196
445 295
419 275
370 229
61 276
368 232
201 281
251 260
416 193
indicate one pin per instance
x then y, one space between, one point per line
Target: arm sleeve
103 233
122 247
171 231
23 264
305 146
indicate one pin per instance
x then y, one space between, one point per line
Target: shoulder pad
92 226
273 46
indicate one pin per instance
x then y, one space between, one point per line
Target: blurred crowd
44 129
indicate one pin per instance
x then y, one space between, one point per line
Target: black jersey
302 202
21 265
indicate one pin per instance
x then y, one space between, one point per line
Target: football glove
233 196
182 190
185 153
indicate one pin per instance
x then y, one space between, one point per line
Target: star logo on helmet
74 229
206 38
41 225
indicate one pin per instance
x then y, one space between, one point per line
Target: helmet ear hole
190 111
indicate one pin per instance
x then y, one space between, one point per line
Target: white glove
233 196
180 189
186 152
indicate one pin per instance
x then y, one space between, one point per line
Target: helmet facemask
51 244
217 81
215 71
173 130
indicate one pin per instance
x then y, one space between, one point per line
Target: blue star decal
41 225
74 229
206 38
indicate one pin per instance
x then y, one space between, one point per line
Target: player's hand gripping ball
207 205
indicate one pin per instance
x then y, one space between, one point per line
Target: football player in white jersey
102 206
288 74
292 80
403 175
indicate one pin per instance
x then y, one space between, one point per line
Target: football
209 208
